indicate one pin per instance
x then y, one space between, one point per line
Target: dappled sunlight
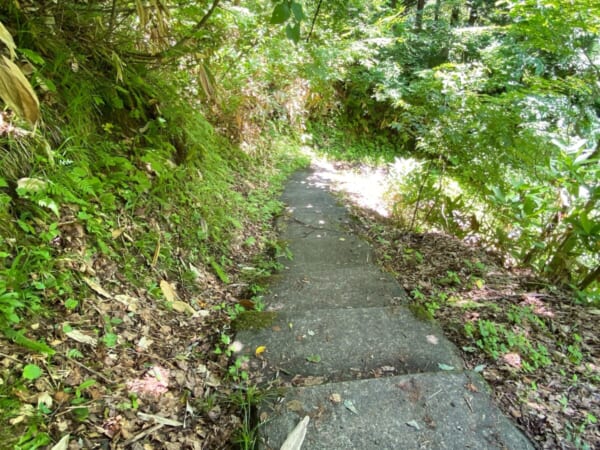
366 186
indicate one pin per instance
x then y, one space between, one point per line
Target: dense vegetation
143 141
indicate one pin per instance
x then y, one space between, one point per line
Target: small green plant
32 372
574 350
236 370
81 412
246 400
451 279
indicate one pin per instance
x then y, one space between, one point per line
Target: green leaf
445 367
110 339
219 271
3 183
293 32
281 13
297 10
32 372
314 358
87 384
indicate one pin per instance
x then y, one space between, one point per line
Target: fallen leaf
296 437
295 406
130 302
182 307
95 286
414 424
155 382
143 344
299 380
259 350
63 444
445 366
314 358
471 387
350 406
479 368
512 359
432 339
160 419
335 398
78 336
168 291
45 399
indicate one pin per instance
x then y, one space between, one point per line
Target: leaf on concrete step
296 437
414 424
445 366
350 406
335 398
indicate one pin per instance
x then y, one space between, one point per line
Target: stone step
347 287
448 410
344 344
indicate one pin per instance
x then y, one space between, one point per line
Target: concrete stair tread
419 411
349 343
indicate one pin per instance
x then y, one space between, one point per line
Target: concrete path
368 373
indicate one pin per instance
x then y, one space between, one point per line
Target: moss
254 320
420 312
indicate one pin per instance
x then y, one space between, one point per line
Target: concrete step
448 410
345 344
347 287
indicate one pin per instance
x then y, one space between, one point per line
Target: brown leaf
95 286
168 291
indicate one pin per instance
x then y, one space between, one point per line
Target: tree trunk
419 17
592 276
473 13
455 16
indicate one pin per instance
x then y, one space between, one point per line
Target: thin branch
312 26
92 371
184 40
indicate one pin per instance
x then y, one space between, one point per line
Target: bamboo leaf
17 93
7 39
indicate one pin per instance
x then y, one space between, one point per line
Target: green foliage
501 120
32 372
496 340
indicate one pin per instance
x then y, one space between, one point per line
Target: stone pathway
368 373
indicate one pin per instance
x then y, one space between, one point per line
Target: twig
434 394
143 434
468 402
92 371
312 25
11 358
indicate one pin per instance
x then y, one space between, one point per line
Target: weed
247 399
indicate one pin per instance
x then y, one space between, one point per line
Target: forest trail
338 335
